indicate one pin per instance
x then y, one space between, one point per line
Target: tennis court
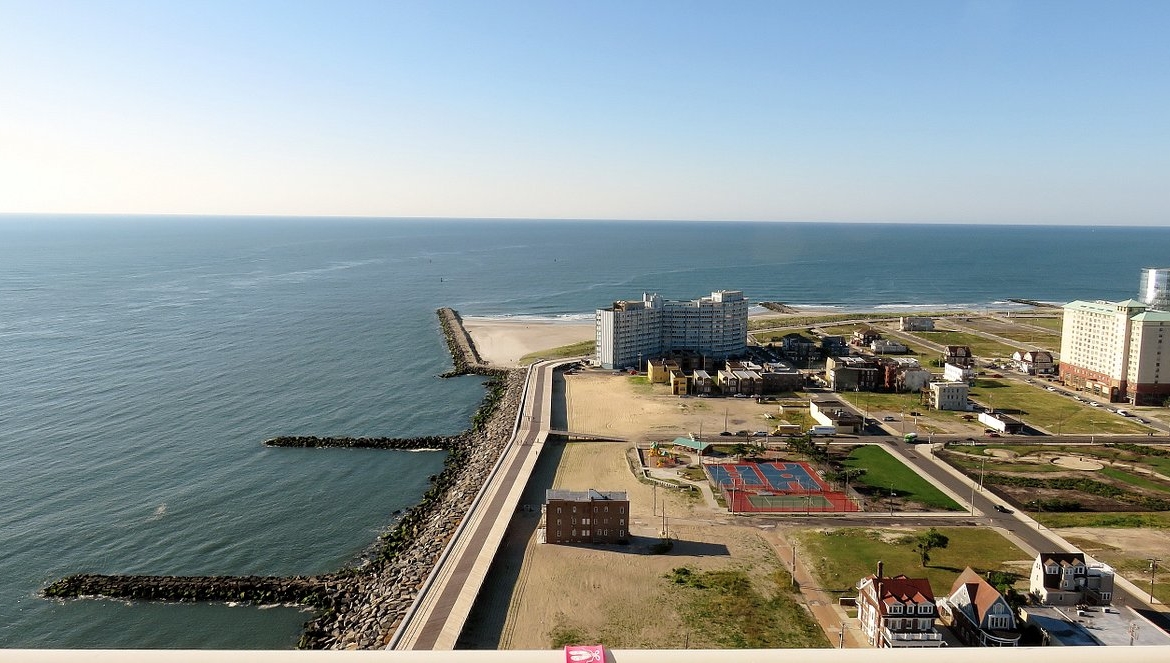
776 487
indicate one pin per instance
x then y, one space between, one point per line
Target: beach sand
504 342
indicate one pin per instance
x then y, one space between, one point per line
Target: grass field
735 608
1056 324
1050 411
981 347
842 557
1155 520
563 352
884 473
1134 479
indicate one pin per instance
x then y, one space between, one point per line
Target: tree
929 540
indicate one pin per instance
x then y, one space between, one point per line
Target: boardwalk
440 611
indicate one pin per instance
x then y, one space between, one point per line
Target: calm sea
143 360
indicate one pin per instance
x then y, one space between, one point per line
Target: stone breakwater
360 608
314 442
463 352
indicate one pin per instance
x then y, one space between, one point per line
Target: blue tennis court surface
778 476
776 487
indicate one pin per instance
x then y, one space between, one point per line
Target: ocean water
143 360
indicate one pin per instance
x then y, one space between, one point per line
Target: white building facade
631 332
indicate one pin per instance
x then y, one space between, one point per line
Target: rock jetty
360 607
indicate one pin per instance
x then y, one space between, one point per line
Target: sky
988 111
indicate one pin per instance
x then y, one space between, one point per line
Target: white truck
822 431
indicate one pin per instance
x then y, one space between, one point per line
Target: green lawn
1134 479
884 473
1047 410
981 347
842 557
1056 324
562 352
1153 520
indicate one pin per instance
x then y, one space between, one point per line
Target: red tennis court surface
776 487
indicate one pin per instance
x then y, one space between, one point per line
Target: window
623 534
558 509
896 609
622 521
925 609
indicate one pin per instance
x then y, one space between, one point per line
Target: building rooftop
1095 626
585 495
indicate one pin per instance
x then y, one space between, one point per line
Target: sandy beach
504 342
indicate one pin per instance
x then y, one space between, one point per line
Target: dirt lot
614 594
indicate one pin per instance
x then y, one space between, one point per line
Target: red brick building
586 516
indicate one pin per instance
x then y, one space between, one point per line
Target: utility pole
794 565
1153 569
981 467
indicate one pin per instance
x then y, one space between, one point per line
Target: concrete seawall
361 607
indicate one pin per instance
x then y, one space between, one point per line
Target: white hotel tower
629 333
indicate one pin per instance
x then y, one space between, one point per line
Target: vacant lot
1051 411
1103 478
848 554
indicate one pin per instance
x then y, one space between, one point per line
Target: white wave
159 512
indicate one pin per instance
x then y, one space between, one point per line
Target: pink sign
585 654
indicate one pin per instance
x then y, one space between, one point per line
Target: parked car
888 418
992 434
1002 509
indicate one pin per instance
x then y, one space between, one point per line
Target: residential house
1034 362
833 346
702 382
911 324
587 516
978 614
863 337
798 347
835 413
902 374
897 612
1063 578
886 347
959 355
658 370
957 373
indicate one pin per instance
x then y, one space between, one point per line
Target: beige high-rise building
1114 349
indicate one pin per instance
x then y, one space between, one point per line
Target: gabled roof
902 589
1061 559
970 589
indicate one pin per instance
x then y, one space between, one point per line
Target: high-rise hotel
1115 349
629 333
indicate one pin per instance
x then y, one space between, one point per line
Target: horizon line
563 219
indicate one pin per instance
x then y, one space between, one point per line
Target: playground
784 487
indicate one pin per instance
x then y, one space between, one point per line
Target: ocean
143 361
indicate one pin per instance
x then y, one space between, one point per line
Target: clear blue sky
985 111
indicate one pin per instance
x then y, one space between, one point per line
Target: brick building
586 516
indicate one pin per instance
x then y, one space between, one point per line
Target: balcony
931 638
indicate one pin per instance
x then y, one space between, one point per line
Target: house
902 374
864 337
978 614
959 355
852 373
1063 578
886 347
957 373
658 370
798 346
897 612
833 346
587 516
702 382
948 395
1034 362
911 324
679 381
